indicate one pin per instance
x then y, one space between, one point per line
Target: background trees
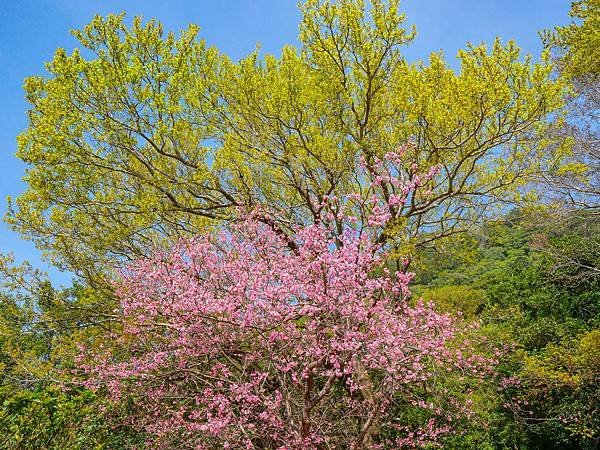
574 48
534 288
40 331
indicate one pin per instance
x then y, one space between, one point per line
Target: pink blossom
235 341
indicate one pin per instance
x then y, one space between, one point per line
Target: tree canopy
142 135
575 176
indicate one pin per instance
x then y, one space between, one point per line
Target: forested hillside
534 287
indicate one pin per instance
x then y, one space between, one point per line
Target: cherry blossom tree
244 339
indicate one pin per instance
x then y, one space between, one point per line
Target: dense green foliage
40 407
536 289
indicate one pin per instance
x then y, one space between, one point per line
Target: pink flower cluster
235 341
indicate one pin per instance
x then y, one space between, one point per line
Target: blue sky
30 31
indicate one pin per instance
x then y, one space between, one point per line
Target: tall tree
235 341
144 136
575 49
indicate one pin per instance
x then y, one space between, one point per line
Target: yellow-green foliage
143 136
577 44
453 299
567 375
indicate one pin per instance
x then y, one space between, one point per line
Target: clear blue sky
30 31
